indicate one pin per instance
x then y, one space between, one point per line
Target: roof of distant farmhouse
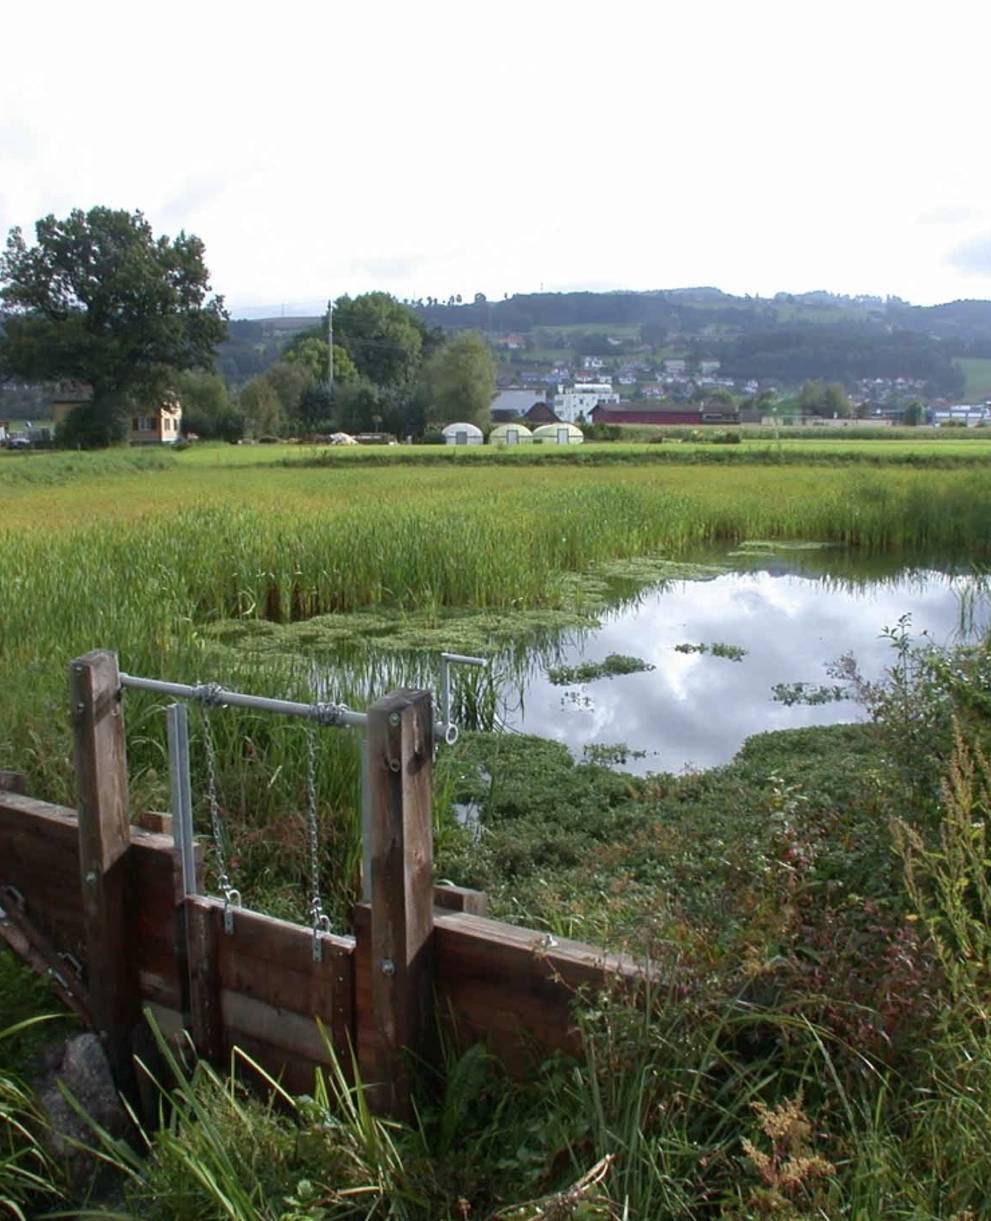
72 392
509 403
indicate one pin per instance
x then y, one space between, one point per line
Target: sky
439 148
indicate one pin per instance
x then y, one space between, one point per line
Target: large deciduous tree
461 381
311 351
385 339
99 299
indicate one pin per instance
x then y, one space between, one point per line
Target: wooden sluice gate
111 907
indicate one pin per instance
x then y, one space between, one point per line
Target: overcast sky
439 148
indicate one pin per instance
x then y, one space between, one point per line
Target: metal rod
366 826
444 729
182 798
321 713
445 693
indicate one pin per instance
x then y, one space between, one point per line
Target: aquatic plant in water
732 652
611 666
811 694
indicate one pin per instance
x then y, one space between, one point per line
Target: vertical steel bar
366 825
182 798
445 691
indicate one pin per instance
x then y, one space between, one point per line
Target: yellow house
157 425
149 426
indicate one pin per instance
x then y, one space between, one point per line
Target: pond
787 617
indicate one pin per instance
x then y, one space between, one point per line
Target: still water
792 616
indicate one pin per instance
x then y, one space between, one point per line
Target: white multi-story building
579 401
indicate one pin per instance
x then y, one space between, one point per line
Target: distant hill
788 337
254 344
785 338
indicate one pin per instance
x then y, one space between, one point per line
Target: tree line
840 353
99 300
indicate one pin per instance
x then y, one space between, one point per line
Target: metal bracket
320 925
444 729
232 899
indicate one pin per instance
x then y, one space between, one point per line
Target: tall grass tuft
29 1176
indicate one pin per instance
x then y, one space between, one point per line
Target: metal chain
320 921
232 897
329 714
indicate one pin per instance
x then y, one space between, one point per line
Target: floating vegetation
651 570
791 694
772 546
482 633
610 667
732 652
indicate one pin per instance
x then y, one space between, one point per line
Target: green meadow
816 1042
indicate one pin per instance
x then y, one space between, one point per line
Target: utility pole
330 347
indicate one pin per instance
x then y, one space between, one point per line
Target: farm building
510 434
157 425
463 434
512 405
540 413
151 426
68 396
665 413
558 434
581 400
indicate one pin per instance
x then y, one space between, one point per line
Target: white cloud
446 147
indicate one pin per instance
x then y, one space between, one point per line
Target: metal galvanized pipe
182 800
219 696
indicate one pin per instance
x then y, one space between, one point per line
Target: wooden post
104 857
12 782
400 755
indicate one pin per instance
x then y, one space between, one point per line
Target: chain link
232 897
320 922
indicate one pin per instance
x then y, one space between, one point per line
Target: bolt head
388 966
394 718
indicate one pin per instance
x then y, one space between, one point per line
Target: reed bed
285 546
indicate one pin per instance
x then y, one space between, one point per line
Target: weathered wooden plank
104 862
151 820
271 960
367 1034
12 782
160 948
515 988
293 1033
29 820
489 941
400 755
294 1072
461 899
168 1020
203 928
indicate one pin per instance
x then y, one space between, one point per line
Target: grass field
800 966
